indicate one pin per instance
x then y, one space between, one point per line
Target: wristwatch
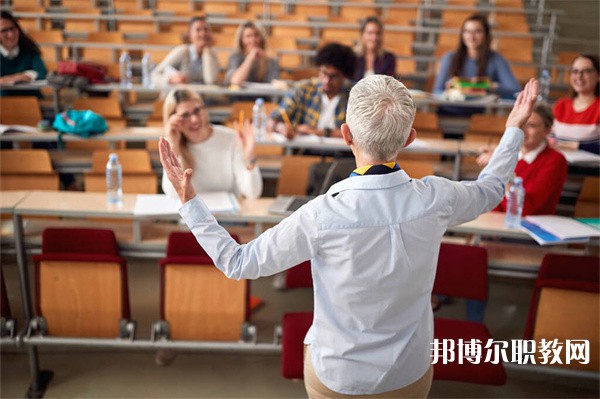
327 132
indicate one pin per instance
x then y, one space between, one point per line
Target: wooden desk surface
10 199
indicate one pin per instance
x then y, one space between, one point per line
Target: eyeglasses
7 30
472 32
187 115
586 71
329 76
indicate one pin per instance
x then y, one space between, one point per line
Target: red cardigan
543 181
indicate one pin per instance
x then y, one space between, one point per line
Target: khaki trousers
316 390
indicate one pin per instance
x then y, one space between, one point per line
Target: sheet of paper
18 129
579 156
563 227
162 205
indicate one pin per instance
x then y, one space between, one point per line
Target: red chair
565 304
294 326
197 301
81 285
299 276
462 272
7 324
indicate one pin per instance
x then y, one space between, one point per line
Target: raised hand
523 105
179 178
246 139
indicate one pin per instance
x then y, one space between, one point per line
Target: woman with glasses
249 62
475 58
577 118
20 56
221 159
371 57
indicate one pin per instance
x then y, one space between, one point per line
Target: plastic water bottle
544 86
259 119
146 70
114 192
514 204
125 69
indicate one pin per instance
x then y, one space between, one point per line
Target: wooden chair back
20 110
294 174
588 201
27 170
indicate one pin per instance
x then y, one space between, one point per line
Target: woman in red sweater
543 169
577 118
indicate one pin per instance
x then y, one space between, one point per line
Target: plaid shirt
303 103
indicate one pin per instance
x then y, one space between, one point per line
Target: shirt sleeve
233 63
507 83
210 66
283 246
272 70
472 198
443 74
389 64
168 67
290 104
39 68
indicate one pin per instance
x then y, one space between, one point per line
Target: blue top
498 70
373 242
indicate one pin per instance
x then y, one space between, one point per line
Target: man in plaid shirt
318 106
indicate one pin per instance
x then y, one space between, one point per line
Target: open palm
179 178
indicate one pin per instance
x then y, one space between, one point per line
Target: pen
286 120
241 120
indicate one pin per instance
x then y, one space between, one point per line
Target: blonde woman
249 62
371 57
222 160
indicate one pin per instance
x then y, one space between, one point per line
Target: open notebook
287 204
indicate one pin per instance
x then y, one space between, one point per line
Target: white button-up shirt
374 242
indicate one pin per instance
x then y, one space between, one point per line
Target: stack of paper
550 229
162 205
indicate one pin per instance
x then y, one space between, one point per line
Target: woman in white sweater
190 63
222 159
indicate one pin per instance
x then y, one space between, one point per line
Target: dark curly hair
338 56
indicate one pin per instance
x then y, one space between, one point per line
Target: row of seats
561 291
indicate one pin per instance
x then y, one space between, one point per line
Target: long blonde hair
359 49
239 46
174 98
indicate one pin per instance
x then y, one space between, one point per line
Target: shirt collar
530 156
380 169
9 53
370 182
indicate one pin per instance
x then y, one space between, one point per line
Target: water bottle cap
518 180
112 157
260 101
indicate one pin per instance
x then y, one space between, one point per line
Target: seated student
577 119
222 160
373 241
318 106
372 58
475 58
190 63
543 169
20 56
249 62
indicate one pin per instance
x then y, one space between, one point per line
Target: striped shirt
582 127
302 104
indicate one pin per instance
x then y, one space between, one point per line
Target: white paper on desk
580 156
17 129
563 227
258 86
162 205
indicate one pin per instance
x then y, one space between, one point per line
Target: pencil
241 120
286 120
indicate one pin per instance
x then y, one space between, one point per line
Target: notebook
287 204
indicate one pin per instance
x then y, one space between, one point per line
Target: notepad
551 229
163 205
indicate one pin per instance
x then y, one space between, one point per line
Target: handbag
94 73
82 123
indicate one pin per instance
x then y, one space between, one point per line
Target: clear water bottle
114 174
125 69
259 119
147 70
544 86
514 204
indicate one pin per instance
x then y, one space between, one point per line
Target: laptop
288 204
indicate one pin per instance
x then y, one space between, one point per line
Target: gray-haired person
373 241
